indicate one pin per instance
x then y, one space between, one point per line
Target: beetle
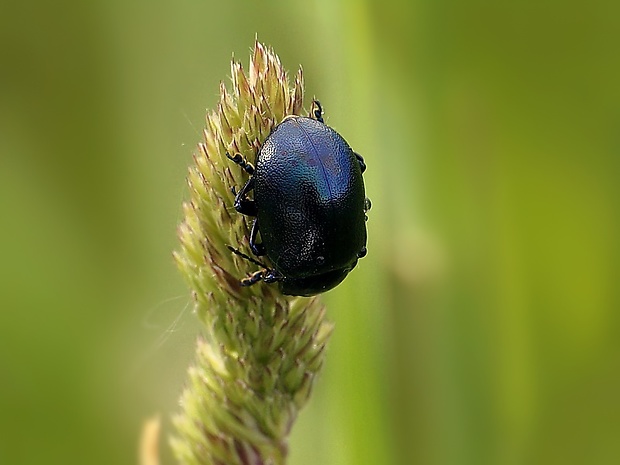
309 206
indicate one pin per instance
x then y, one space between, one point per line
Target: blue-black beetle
309 206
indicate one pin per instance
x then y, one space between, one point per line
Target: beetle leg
253 278
267 275
258 249
245 257
316 111
361 161
244 205
242 162
271 276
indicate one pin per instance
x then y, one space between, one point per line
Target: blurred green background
482 328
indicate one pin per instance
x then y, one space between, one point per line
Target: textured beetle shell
310 197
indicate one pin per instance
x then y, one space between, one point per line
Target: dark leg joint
253 278
361 161
246 207
316 111
257 248
242 162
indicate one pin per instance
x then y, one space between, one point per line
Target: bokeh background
483 326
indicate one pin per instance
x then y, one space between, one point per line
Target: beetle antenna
247 257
